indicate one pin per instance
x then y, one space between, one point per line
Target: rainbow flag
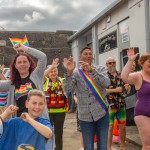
94 89
23 41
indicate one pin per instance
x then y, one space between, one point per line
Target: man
89 83
116 98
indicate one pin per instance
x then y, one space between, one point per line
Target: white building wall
116 16
137 25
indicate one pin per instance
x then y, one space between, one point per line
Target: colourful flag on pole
23 41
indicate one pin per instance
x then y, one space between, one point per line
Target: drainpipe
147 25
95 45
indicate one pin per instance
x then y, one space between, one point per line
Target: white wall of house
116 16
137 25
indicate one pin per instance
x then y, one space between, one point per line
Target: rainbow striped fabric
23 41
3 97
94 89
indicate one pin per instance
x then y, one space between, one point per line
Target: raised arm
126 74
70 80
10 110
41 128
54 65
69 65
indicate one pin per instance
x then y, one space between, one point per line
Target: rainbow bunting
94 89
23 41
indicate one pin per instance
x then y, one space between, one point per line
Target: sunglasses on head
111 63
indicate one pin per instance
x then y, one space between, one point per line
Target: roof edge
96 18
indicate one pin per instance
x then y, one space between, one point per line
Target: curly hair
14 74
143 58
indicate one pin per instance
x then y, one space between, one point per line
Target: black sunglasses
111 63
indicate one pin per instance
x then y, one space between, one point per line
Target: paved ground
71 137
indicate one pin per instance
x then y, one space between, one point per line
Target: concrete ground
71 137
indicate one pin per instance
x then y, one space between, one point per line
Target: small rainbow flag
23 41
94 89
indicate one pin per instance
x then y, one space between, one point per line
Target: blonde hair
35 92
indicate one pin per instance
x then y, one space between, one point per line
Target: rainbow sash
93 88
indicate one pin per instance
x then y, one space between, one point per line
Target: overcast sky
48 15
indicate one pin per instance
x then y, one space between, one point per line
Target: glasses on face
109 63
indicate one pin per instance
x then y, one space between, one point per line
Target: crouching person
30 130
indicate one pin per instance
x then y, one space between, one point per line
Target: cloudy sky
48 15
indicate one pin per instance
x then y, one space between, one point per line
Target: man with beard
116 93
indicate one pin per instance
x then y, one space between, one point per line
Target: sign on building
124 31
108 42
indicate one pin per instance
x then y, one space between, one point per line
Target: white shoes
81 148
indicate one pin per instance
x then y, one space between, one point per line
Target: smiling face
35 105
111 64
53 74
22 65
86 56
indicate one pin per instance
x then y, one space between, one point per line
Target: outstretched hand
69 64
55 63
20 48
131 54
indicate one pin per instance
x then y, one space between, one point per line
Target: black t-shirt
21 94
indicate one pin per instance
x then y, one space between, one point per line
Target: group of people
100 91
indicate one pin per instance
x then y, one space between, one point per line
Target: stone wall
53 44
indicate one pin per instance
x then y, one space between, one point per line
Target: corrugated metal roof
89 25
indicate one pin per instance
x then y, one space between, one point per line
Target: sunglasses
111 63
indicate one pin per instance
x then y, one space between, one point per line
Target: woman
24 76
87 81
141 81
56 101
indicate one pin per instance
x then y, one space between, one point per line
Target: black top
21 94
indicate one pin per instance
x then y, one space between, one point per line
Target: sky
48 15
